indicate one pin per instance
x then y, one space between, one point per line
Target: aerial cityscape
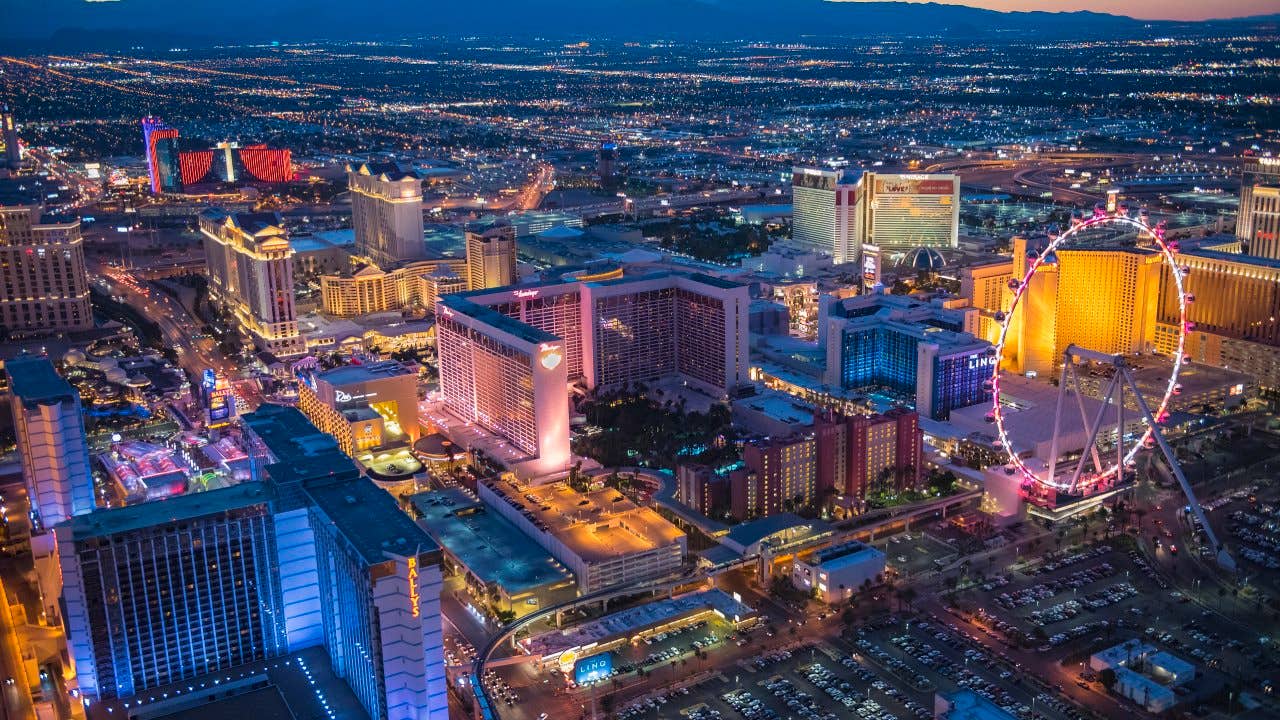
639 361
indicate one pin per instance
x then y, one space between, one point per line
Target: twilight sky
1145 9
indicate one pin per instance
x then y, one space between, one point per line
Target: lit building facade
900 212
1233 315
780 475
822 212
307 553
160 143
44 287
251 277
1235 296
157 593
48 423
9 133
364 407
369 289
507 355
357 575
491 257
1079 297
380 584
386 212
909 346
509 377
1258 223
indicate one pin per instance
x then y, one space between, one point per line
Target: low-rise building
500 563
604 538
834 574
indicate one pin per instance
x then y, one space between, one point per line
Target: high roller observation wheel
1099 218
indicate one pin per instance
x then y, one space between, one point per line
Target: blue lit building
909 346
308 553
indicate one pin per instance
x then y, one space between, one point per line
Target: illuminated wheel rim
1029 478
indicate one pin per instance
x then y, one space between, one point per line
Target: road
17 697
177 324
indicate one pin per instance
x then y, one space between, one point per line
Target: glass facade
174 601
882 356
878 356
959 382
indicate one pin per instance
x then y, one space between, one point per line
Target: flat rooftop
369 518
300 449
850 553
492 548
632 620
350 374
33 379
497 320
283 688
596 526
969 705
102 523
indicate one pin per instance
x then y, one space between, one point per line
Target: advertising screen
596 667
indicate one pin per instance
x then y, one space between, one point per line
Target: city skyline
203 22
635 360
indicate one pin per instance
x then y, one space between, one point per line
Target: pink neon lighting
1032 484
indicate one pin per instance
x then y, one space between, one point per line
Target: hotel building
167 591
900 212
44 288
1258 224
368 289
508 355
386 212
910 346
364 407
251 277
308 553
822 212
603 538
1233 316
845 457
48 422
491 256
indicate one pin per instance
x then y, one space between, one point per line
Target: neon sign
414 606
550 356
524 294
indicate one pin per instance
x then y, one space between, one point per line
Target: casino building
251 276
507 355
308 553
900 212
909 346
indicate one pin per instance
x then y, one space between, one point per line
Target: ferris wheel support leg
1091 444
1084 418
1220 551
1057 416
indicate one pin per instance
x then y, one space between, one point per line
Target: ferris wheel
1098 469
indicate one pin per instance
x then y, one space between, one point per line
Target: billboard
591 669
905 185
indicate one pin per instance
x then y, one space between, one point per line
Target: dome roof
924 259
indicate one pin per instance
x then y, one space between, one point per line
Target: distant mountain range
76 24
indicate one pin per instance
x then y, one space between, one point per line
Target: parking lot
913 553
812 682
1059 611
884 670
